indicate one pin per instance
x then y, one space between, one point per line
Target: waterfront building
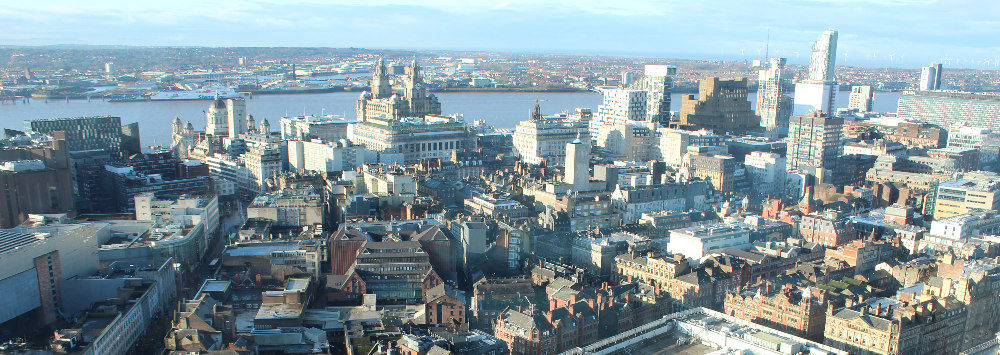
543 139
944 108
816 97
411 139
823 57
329 127
861 98
721 106
380 102
774 105
226 117
84 133
930 77
814 141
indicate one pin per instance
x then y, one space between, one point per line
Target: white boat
206 93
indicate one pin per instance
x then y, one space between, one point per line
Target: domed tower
265 128
216 118
251 124
380 86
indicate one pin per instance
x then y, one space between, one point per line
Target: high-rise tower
823 57
930 77
216 122
774 106
236 116
819 90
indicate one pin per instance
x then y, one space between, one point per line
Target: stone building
721 106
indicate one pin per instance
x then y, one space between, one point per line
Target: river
501 109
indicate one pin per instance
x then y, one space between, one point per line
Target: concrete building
263 163
324 156
37 260
985 140
719 170
632 141
944 108
543 139
382 103
767 172
861 98
118 305
330 128
967 193
657 81
814 97
814 141
293 206
35 178
673 144
818 91
621 106
930 77
84 133
631 202
774 105
721 106
698 241
226 118
412 139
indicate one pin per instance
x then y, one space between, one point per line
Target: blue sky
914 32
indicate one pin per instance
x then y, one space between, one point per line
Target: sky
879 33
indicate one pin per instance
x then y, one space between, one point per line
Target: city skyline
651 28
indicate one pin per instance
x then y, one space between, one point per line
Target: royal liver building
382 102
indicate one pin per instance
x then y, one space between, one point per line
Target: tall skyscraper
236 116
813 142
861 98
930 77
823 57
721 106
658 82
818 92
774 106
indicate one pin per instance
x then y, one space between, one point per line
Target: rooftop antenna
767 45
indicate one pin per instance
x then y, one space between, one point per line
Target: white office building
774 105
861 98
696 242
322 156
328 127
766 172
544 139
